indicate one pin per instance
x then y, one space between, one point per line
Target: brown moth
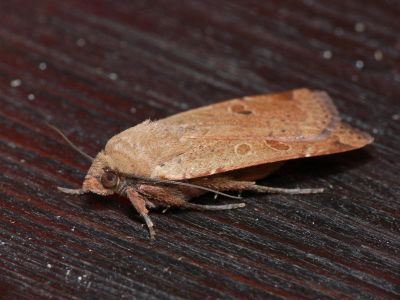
216 148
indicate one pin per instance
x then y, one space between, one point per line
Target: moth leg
175 197
150 204
214 207
227 184
139 203
274 190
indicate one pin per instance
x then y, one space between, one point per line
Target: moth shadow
115 203
299 172
121 206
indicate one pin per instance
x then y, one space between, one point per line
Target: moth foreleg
140 205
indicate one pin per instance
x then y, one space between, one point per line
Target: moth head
101 179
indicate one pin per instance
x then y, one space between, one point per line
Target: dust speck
183 105
31 97
396 117
359 27
49 266
378 55
113 76
42 66
359 64
133 110
15 82
80 42
327 54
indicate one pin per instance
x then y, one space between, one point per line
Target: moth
217 148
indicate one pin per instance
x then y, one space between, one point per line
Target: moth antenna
71 191
186 184
73 146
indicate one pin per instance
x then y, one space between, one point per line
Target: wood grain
93 68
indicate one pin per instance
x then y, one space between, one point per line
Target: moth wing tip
369 139
364 138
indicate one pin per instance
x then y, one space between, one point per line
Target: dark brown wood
93 68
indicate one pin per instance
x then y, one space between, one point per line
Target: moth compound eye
109 179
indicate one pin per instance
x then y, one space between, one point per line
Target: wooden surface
93 68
